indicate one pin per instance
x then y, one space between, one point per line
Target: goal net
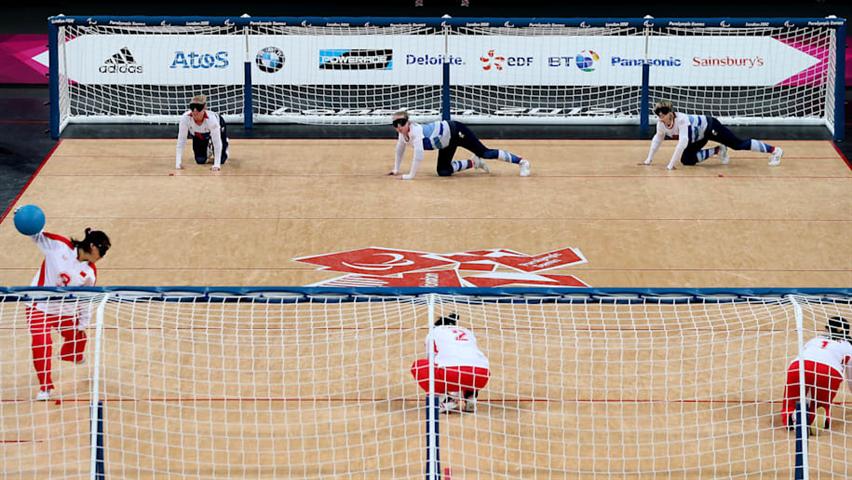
318 384
360 71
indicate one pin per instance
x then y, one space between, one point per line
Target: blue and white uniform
209 128
685 128
430 136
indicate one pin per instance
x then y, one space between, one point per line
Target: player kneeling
827 361
208 131
461 369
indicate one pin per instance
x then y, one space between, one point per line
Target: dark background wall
30 18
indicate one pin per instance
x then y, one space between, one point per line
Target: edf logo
496 61
200 60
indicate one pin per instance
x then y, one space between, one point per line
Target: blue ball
29 219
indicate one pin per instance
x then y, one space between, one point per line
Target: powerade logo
638 62
586 60
121 62
356 59
196 60
269 60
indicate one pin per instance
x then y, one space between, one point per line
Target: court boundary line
29 182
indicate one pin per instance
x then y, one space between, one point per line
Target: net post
445 81
840 83
801 460
644 103
433 461
97 469
248 108
53 74
645 92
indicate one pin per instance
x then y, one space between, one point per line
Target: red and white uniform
209 126
827 363
459 364
60 268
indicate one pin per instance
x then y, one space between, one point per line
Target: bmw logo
270 59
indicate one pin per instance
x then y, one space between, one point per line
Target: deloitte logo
586 60
121 62
270 59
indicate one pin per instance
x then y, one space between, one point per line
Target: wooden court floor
741 225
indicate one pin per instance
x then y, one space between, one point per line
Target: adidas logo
121 62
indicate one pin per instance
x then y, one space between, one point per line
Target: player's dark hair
838 328
450 319
93 237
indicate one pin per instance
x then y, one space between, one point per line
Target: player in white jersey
692 133
461 369
445 136
208 131
67 263
827 361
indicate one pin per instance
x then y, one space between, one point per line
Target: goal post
358 71
317 383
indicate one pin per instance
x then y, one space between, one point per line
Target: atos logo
586 60
195 60
491 60
724 24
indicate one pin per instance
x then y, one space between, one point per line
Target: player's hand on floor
407 177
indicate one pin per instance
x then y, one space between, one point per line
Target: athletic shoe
525 167
480 164
469 405
775 158
43 395
820 421
448 404
211 153
723 155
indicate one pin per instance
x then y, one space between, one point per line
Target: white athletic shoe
723 155
525 167
211 153
480 164
469 405
43 395
448 404
775 158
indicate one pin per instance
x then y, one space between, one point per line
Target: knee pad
201 160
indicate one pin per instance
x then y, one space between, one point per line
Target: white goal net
343 72
293 385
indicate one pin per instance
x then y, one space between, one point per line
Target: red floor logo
497 267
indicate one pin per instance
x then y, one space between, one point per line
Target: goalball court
320 388
653 379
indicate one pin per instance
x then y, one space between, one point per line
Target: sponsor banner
416 60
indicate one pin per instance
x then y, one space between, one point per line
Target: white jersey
685 128
61 268
431 136
835 354
209 126
455 346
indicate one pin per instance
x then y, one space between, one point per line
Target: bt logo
200 60
586 60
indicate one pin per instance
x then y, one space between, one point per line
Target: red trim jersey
60 268
836 354
454 347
